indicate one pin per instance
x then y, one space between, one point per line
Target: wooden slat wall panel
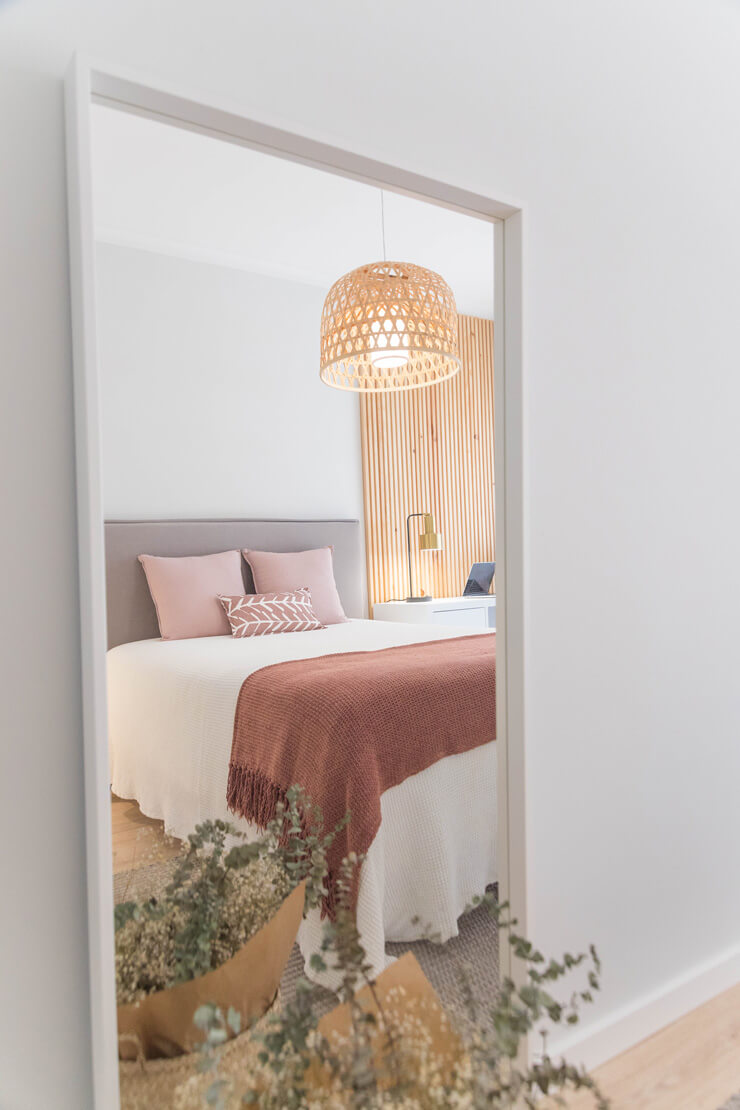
431 450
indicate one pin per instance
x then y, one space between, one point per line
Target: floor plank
693 1064
137 840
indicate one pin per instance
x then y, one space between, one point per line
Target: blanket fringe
253 796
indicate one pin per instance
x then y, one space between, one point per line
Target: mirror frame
87 82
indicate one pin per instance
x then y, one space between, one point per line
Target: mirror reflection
297 417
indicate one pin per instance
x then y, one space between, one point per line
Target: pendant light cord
382 222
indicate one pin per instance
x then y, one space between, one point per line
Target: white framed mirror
164 327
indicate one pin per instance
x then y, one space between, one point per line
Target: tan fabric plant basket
162 1023
402 988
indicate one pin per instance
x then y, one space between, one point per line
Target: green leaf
205 1015
213 1094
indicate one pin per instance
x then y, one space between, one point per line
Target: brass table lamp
429 540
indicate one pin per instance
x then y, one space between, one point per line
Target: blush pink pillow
282 571
185 592
265 614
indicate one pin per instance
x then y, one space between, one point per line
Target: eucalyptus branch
387 1059
379 1066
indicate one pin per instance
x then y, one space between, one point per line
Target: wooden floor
693 1064
137 840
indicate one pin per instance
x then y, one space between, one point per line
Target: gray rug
142 882
474 950
733 1104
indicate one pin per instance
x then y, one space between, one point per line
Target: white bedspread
171 720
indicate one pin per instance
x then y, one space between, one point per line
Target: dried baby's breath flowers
147 944
224 889
390 1057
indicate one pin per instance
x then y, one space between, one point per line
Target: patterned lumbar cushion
263 614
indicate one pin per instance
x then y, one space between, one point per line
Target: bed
171 722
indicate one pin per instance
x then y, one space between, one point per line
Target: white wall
179 192
211 399
616 124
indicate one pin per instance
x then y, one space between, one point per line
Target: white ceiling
170 190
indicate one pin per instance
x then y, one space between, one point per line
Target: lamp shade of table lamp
429 540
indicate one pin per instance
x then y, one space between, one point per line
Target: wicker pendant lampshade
388 326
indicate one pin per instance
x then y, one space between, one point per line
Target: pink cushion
281 571
264 614
185 592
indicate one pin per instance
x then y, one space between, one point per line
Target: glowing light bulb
389 360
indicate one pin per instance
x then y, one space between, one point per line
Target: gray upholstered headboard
131 613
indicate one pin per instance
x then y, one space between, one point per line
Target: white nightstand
461 612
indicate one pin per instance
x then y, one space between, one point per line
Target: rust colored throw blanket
347 727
